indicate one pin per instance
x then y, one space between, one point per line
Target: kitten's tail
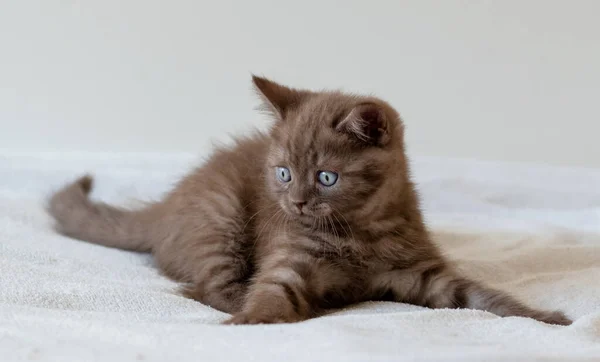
78 217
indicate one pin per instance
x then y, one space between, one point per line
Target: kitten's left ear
278 98
368 123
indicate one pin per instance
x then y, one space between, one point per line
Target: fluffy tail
78 217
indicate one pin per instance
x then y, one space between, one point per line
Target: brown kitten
318 213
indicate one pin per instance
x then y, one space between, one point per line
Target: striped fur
231 233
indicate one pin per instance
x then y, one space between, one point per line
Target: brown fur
247 243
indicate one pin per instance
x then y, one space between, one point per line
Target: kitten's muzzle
298 206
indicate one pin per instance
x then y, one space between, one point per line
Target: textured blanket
533 231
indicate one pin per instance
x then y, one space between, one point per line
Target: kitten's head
331 153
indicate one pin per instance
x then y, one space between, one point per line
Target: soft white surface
533 231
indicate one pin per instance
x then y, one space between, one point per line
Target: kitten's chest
367 258
348 253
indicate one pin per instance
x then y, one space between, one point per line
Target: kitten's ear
278 98
368 123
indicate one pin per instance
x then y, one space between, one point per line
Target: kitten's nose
299 204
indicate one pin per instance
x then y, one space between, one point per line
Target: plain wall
501 80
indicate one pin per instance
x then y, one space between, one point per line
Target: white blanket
531 230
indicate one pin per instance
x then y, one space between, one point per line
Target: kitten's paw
250 318
557 318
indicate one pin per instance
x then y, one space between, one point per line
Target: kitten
318 213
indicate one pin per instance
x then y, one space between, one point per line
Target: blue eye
328 178
283 174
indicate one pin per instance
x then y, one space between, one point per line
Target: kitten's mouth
300 212
320 210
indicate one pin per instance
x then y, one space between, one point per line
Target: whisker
265 225
334 230
278 223
256 214
347 223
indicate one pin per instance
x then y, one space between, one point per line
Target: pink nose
299 204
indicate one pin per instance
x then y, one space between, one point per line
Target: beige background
501 80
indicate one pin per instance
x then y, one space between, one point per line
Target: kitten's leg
277 296
213 267
283 291
220 285
437 286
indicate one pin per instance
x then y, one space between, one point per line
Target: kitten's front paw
253 318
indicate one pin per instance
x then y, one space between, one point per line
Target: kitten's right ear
368 123
278 98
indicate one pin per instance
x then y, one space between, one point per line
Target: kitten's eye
328 178
283 174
